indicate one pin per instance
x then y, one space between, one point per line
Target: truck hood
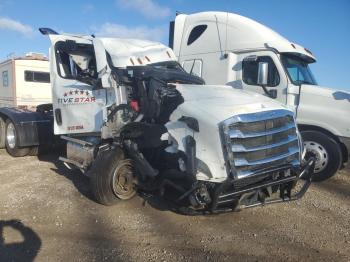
220 102
337 94
337 98
325 107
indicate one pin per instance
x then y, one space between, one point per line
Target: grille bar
251 173
243 162
241 148
258 116
236 133
259 141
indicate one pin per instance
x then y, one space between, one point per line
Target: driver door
78 99
276 76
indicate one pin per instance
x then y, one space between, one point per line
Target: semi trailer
229 49
135 121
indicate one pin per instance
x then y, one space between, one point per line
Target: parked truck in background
25 84
225 48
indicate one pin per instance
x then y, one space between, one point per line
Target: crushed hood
222 102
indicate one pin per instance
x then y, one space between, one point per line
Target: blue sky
321 26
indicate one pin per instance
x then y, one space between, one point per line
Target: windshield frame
301 62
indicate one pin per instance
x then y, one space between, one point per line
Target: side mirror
263 71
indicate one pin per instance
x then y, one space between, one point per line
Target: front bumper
222 197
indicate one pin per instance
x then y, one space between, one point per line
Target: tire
34 151
327 152
107 170
11 141
2 133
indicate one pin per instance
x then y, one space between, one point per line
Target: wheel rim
11 135
319 152
123 180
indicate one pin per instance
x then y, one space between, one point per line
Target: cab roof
238 32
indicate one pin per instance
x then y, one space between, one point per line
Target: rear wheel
11 142
2 133
326 151
112 177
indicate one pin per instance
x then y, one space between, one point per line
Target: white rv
225 48
25 81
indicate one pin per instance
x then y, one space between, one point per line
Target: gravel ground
47 214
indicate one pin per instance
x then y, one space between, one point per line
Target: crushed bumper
222 197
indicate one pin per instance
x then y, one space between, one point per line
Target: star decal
81 92
87 93
65 94
76 91
71 92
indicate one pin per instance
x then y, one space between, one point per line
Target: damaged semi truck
135 121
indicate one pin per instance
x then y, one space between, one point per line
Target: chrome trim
249 173
254 117
78 141
239 134
11 135
243 162
36 121
231 131
241 148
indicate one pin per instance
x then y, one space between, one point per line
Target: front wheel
11 141
112 177
326 151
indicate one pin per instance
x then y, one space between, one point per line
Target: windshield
298 70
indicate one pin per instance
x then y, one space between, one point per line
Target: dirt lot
47 214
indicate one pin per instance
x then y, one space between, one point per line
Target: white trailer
25 81
226 48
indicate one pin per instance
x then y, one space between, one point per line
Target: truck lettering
76 97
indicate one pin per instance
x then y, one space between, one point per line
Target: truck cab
225 48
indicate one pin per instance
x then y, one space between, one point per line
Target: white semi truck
134 120
229 49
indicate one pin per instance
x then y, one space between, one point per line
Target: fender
34 128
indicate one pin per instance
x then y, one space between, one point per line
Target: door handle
273 93
58 116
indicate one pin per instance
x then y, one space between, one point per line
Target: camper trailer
25 81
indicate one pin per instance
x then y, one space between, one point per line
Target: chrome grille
260 140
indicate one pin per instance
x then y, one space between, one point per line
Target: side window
76 61
193 67
250 71
5 78
196 32
36 76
